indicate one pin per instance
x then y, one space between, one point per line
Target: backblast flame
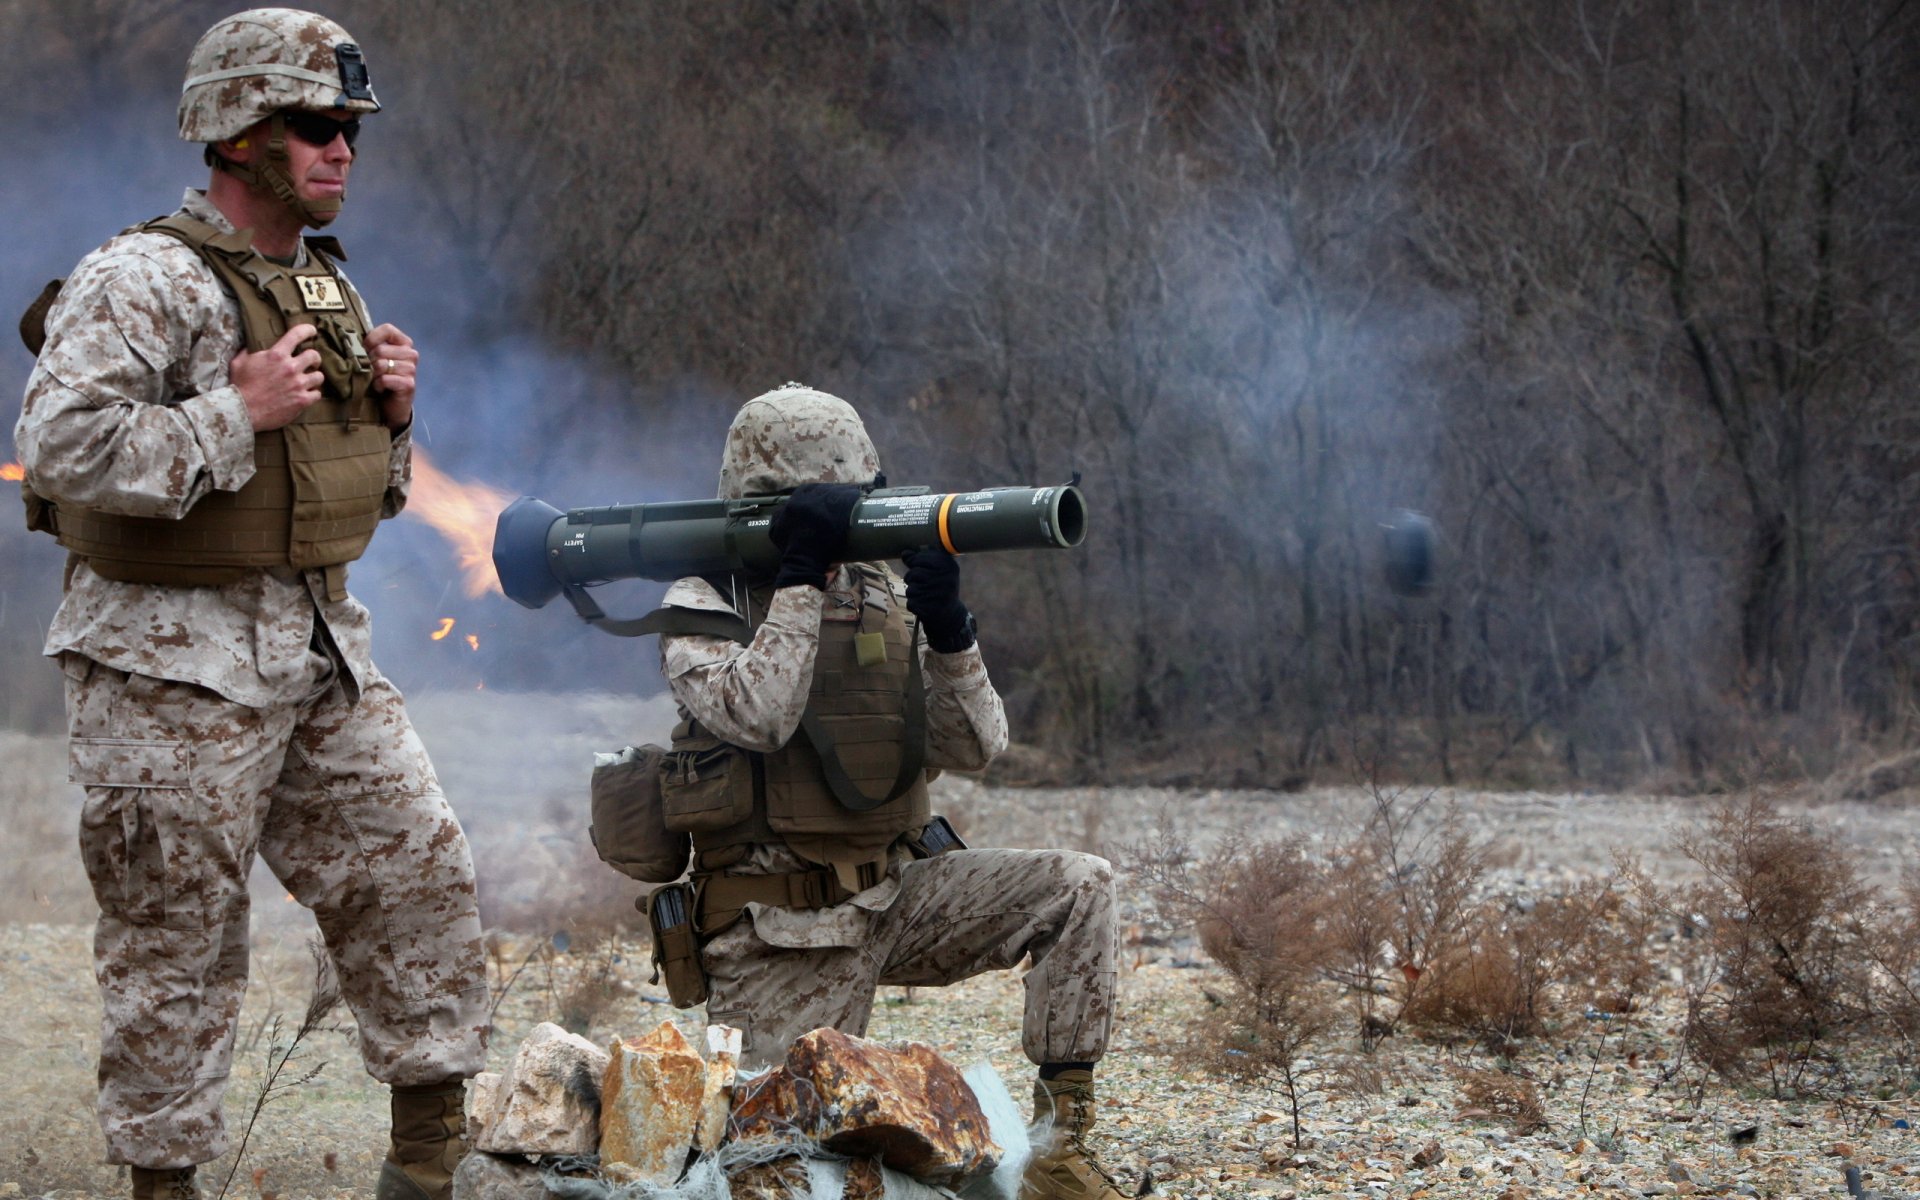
446 627
464 514
12 472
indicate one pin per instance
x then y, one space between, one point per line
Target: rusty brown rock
650 1104
905 1106
766 1106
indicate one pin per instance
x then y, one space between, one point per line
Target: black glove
810 531
933 595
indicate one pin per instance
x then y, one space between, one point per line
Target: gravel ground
1389 1124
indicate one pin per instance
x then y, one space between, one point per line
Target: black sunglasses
316 130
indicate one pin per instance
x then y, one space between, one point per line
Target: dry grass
1502 1096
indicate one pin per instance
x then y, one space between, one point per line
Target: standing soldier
213 429
814 706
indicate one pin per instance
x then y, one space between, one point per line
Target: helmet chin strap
275 174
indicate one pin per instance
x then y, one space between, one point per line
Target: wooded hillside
1622 293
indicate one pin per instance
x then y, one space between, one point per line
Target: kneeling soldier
814 706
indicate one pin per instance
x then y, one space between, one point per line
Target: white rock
485 1177
485 1097
548 1097
723 1065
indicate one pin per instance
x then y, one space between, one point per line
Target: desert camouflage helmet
255 63
794 435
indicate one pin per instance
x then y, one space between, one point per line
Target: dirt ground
1620 1121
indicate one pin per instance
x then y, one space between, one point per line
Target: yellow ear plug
240 143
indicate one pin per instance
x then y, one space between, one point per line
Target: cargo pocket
705 785
137 829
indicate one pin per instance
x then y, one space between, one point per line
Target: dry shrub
1506 981
1891 933
598 981
1260 911
1783 967
1500 1095
1400 899
575 979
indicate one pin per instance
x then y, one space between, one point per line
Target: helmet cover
794 435
255 63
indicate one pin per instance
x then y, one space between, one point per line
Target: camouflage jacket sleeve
752 695
966 723
122 412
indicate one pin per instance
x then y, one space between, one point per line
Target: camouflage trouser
956 916
183 788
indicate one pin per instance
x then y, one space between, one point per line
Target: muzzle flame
12 472
464 514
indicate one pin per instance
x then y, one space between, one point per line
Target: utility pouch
33 322
629 829
40 517
706 784
935 839
676 946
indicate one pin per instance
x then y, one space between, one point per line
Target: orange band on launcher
946 539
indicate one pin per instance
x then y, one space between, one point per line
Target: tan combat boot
1062 1168
171 1183
429 1140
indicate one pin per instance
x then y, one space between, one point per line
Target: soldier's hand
278 383
933 595
810 531
396 372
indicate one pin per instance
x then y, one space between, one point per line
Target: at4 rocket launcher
539 551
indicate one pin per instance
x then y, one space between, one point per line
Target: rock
491 1177
1428 1155
483 1102
716 1100
650 1104
549 1102
907 1107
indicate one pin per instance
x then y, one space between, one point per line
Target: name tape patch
322 293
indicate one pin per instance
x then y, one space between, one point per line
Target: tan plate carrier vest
852 780
318 485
